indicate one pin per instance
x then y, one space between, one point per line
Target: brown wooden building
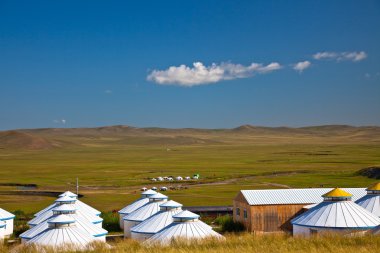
272 210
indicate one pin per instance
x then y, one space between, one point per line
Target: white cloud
60 121
200 74
342 56
301 66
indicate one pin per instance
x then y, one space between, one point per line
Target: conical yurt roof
371 201
339 214
5 215
91 217
138 203
61 236
81 223
68 193
159 220
188 228
148 209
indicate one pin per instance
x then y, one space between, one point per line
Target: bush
228 224
111 221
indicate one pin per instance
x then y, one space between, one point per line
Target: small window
245 214
237 211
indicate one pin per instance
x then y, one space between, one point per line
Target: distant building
371 201
6 223
272 210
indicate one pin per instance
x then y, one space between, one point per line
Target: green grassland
113 163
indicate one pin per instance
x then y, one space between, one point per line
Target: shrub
111 221
228 224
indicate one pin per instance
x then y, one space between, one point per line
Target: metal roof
158 196
187 215
337 214
156 222
134 206
371 202
148 192
337 193
171 203
68 193
81 223
374 187
5 215
145 211
183 230
294 196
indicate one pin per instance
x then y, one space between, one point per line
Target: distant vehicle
154 188
153 180
163 188
187 178
160 179
144 189
179 178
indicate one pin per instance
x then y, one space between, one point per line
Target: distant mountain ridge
48 138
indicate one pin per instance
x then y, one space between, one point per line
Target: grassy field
112 166
245 243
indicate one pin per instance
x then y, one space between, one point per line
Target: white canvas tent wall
371 201
79 203
2 229
158 221
134 206
337 213
63 232
69 210
143 213
8 219
90 216
186 226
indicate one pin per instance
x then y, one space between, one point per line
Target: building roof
81 223
68 193
134 206
145 211
339 215
79 211
294 196
65 199
337 193
186 215
171 204
187 230
371 202
374 187
158 196
148 193
70 235
156 222
5 215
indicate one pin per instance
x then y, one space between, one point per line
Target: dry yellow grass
243 243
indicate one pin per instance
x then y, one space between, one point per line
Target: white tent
135 205
158 221
79 203
186 226
90 216
69 210
143 213
2 229
337 213
62 231
371 201
7 218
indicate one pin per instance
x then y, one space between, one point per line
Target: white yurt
185 226
135 205
371 201
8 219
2 229
337 213
158 221
79 203
144 212
63 231
69 210
66 200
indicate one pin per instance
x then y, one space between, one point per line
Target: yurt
337 213
135 205
2 229
7 218
185 226
63 231
144 212
66 200
371 201
79 203
69 210
158 221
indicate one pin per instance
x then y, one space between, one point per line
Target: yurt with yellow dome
371 201
337 213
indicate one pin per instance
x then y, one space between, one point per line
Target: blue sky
95 63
